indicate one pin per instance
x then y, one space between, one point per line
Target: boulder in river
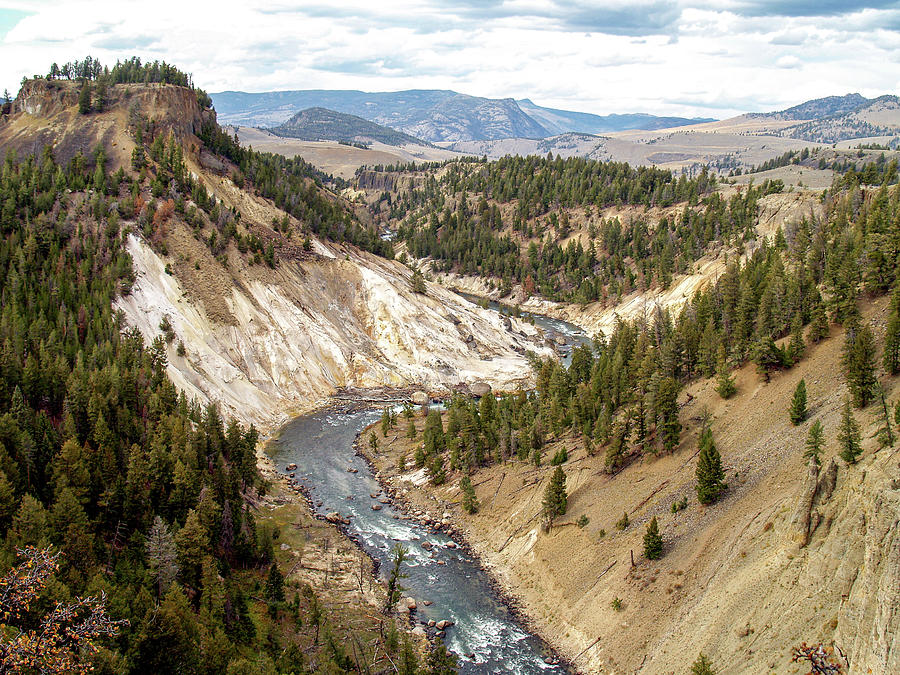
443 624
291 467
481 388
411 604
462 388
419 398
376 507
334 517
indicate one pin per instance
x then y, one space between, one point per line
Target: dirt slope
735 581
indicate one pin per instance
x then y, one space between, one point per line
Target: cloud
676 57
790 38
125 43
9 18
788 61
807 8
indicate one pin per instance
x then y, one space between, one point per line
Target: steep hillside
45 112
137 532
265 344
789 556
270 324
321 124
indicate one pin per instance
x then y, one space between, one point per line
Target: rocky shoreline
447 525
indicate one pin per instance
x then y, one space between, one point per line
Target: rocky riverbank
416 504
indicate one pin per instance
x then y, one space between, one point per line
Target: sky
665 57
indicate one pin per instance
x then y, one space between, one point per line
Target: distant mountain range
565 121
321 124
432 114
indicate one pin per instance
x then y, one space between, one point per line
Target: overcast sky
710 58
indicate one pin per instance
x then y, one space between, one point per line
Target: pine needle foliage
710 475
653 543
849 437
798 403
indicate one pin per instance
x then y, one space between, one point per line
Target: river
572 335
486 635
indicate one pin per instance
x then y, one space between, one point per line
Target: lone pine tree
849 436
798 404
724 380
469 500
710 475
859 363
555 498
653 543
814 442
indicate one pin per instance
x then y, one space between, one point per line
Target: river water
553 328
486 635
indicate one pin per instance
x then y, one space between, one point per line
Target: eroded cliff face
45 113
282 340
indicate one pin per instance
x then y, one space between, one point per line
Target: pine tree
891 358
710 475
275 584
818 326
702 666
397 574
555 497
385 422
849 436
411 429
815 440
433 435
796 345
858 360
436 470
84 99
798 403
885 433
418 282
667 413
161 555
469 500
653 543
440 661
724 380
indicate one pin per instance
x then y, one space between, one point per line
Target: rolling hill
321 124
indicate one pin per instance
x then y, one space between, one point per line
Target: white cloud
658 56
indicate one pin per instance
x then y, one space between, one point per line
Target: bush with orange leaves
64 638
